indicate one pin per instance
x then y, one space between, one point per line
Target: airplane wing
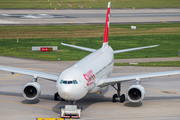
47 76
79 47
114 80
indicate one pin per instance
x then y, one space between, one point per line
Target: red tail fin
107 24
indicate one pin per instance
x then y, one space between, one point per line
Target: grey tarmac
162 100
87 16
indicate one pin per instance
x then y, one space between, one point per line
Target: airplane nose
71 92
66 92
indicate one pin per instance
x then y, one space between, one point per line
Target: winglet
105 40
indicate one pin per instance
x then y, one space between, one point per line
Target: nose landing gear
57 97
118 96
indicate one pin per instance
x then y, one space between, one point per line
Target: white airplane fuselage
87 72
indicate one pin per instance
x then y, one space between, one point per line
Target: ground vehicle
70 111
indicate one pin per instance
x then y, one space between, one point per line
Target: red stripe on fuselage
93 59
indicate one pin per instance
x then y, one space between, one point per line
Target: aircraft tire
114 99
122 98
56 96
63 99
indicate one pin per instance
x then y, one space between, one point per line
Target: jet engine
136 93
31 91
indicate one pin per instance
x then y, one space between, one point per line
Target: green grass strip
74 4
91 36
168 47
152 64
86 31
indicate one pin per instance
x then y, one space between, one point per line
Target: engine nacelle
136 93
31 91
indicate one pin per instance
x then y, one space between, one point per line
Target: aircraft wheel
79 107
63 99
122 98
56 96
114 99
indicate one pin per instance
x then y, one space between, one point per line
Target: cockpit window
75 82
68 82
64 82
61 81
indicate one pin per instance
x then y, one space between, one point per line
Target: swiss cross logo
90 77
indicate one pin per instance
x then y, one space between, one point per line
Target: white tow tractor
70 111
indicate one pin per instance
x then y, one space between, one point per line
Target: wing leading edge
114 80
38 74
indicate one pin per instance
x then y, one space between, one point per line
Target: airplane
89 75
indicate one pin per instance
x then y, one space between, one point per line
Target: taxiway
87 16
162 99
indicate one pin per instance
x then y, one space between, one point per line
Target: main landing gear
118 96
57 97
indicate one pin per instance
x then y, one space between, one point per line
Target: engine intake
136 93
31 91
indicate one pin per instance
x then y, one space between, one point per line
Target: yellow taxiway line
30 105
9 77
50 119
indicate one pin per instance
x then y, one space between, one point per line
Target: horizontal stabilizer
79 47
132 49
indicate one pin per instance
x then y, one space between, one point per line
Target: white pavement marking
43 14
5 14
7 22
31 16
